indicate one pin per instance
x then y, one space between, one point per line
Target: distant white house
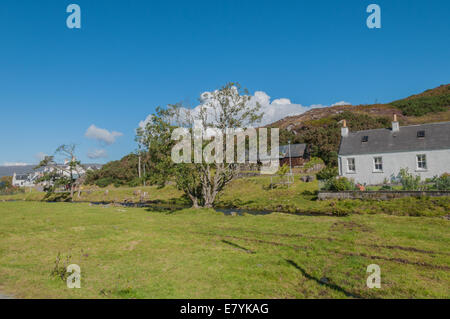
370 157
30 180
24 180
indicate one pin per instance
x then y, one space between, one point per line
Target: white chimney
395 124
344 129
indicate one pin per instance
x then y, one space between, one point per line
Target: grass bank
255 193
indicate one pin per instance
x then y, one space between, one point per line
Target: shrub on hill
423 105
122 172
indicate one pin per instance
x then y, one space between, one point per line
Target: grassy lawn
135 253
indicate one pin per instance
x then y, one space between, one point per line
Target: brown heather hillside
440 90
316 117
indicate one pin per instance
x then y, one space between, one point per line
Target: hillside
321 128
439 96
10 170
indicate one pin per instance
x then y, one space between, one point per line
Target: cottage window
351 167
421 161
378 164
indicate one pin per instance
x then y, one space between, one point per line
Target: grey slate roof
437 137
297 150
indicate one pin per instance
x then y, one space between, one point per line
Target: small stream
162 207
172 208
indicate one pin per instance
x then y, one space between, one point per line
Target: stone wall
380 195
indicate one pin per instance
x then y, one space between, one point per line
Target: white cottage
22 180
370 157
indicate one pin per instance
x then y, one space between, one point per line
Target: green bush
327 173
339 184
409 181
135 182
283 170
117 172
103 182
313 161
118 184
441 183
11 190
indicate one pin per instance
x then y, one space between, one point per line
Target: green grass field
136 253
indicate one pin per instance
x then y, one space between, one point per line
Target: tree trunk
209 194
194 200
72 189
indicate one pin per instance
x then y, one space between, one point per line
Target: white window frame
375 169
353 164
421 158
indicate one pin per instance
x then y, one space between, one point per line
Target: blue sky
131 56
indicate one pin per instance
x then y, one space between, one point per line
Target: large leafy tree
224 110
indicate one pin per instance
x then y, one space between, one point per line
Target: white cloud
15 164
279 108
102 135
97 154
273 110
341 103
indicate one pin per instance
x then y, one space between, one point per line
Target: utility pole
144 174
290 162
139 168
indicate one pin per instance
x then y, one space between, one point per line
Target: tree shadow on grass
249 251
322 282
57 197
163 209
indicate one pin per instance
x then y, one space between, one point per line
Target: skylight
364 139
421 134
